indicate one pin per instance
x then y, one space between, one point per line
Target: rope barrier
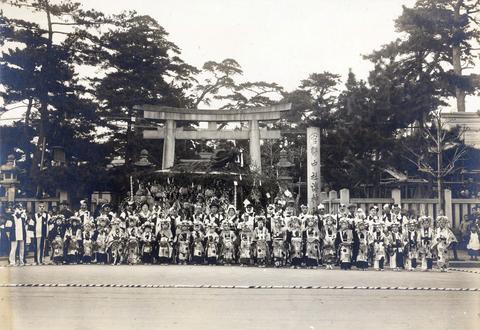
244 287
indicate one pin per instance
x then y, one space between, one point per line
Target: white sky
280 41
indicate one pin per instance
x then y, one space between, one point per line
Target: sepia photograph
239 164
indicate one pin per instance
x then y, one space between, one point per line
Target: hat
231 207
83 202
352 205
321 206
386 206
246 203
373 207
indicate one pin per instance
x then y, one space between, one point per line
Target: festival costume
56 237
246 241
344 244
165 241
116 242
296 242
395 248
211 249
412 244
425 249
38 225
363 240
329 237
17 234
198 237
87 242
73 240
147 240
100 245
279 242
379 245
261 238
444 237
183 241
312 241
227 240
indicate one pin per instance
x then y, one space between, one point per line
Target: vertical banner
313 167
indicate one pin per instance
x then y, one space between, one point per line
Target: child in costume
147 241
100 239
132 235
425 248
312 241
211 249
56 237
296 242
279 240
227 240
362 238
198 253
165 241
246 241
395 247
444 237
329 237
115 242
373 217
248 217
73 239
87 241
261 238
473 239
344 244
183 240
411 245
379 244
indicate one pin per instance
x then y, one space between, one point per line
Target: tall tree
141 66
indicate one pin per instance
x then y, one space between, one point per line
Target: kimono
379 243
329 253
473 245
17 234
246 241
261 238
443 238
165 242
227 239
344 243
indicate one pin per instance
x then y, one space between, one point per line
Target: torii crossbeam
251 115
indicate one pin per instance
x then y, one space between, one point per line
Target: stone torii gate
251 115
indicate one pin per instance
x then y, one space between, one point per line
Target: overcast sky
280 41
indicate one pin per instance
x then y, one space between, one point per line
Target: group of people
212 232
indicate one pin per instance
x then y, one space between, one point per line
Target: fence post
448 207
397 196
345 196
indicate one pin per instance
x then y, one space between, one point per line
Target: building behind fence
456 209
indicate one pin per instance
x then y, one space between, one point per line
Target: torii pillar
255 154
169 144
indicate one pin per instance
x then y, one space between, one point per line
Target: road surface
202 297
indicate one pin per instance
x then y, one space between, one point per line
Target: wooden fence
31 204
455 209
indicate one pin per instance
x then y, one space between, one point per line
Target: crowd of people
211 231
